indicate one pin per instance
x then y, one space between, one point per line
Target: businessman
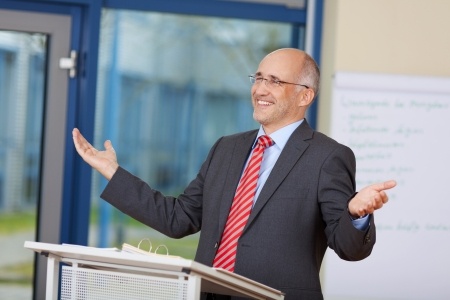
267 202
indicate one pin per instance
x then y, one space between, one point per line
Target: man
304 197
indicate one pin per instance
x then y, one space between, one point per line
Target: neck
268 129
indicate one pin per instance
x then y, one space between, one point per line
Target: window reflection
22 79
169 87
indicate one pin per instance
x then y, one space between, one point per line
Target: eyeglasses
270 82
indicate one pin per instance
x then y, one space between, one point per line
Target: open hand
104 162
370 198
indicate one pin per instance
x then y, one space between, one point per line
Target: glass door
33 101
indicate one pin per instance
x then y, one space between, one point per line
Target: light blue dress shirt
271 154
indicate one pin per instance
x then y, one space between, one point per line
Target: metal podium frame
198 277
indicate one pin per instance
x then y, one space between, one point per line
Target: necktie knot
265 141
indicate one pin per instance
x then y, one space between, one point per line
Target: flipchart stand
97 274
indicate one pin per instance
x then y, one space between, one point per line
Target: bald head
296 64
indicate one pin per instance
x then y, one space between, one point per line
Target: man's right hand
104 162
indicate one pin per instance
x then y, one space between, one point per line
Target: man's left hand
370 198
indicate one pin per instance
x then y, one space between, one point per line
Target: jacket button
367 239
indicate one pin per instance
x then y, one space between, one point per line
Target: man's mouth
264 103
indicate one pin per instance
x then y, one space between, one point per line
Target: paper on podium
138 250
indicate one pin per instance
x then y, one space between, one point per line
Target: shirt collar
281 136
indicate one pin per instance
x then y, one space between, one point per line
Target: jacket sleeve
336 183
175 217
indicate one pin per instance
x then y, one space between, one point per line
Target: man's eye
274 81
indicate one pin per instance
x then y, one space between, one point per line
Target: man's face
276 106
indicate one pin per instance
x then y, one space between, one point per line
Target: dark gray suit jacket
302 210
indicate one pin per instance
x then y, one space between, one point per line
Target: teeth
264 102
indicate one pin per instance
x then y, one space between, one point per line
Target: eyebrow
271 76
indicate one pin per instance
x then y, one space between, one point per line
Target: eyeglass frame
272 81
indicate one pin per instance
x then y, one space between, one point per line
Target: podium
98 273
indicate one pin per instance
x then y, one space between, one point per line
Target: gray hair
310 74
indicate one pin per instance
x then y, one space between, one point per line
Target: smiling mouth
264 103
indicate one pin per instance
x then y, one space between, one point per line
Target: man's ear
306 97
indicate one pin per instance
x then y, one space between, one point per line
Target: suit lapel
291 153
240 153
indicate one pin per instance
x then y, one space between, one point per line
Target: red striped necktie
241 207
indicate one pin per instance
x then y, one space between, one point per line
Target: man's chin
261 121
257 118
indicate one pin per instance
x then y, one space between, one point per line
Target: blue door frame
86 16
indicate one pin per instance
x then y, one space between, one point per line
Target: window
168 87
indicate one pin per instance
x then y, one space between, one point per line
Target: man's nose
261 88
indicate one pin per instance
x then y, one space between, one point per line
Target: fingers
384 185
384 197
370 198
76 135
82 146
379 198
77 140
85 148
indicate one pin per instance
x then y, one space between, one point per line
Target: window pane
22 75
169 86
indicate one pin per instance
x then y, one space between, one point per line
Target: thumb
108 146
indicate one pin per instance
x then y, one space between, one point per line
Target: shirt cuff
361 223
